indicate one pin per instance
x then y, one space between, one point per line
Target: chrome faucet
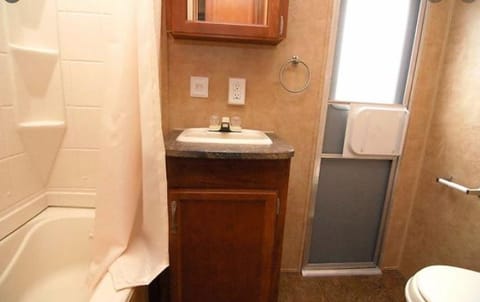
225 124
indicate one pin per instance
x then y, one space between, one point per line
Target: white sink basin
203 135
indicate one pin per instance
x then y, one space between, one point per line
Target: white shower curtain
130 235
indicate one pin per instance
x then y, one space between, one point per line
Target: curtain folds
131 225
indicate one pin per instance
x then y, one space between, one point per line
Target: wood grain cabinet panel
222 244
259 21
226 228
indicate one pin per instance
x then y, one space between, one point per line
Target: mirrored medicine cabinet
260 21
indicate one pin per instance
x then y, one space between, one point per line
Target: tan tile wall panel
268 107
444 226
423 96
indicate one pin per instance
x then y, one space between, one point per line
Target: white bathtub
47 259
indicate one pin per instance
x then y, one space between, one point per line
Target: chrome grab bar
449 183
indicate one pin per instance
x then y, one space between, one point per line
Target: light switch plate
199 87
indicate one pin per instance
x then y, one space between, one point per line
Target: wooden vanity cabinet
226 228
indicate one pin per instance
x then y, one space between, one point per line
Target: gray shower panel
348 211
335 128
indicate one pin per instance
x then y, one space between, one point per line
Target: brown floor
386 288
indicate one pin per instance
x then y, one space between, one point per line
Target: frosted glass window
374 47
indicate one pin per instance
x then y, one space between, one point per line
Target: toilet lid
441 283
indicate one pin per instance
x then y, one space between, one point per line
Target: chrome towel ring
295 60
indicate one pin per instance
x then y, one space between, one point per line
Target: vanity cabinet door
222 244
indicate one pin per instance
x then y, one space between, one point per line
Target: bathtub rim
18 214
19 237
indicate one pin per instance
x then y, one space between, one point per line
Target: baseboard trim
289 270
341 272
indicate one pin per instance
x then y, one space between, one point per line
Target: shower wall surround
17 182
51 99
33 47
82 37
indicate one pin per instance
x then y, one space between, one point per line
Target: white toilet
441 283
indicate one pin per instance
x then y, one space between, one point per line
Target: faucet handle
214 123
235 124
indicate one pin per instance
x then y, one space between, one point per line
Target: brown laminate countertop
279 149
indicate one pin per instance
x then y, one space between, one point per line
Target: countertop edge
278 150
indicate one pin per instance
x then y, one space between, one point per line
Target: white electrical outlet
236 91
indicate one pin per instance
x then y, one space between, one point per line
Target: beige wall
444 226
268 107
296 117
424 90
